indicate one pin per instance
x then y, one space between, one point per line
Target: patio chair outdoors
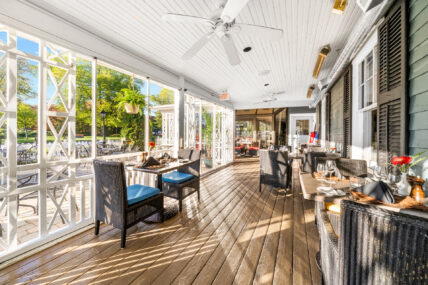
309 161
352 167
371 245
119 205
274 169
185 181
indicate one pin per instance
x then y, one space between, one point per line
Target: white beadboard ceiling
308 25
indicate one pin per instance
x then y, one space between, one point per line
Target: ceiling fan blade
232 9
231 50
259 31
170 17
197 46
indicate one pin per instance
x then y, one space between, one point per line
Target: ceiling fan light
339 6
310 90
320 61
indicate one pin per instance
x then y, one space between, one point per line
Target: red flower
401 160
152 144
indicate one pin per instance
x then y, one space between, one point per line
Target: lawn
52 139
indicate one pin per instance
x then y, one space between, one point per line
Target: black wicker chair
185 181
274 169
119 205
352 167
374 246
309 161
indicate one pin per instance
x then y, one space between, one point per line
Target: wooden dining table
309 185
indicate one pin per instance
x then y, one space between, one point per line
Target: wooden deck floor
234 235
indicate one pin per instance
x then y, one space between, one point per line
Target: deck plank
231 225
266 264
234 234
301 263
232 246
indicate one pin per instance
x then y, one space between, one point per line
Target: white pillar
179 116
94 108
11 95
147 118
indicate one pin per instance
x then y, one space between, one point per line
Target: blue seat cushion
177 177
137 193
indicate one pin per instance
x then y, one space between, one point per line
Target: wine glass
330 169
355 182
320 168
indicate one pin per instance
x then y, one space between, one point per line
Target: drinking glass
320 168
330 169
355 182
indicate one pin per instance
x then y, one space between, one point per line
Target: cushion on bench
176 177
137 193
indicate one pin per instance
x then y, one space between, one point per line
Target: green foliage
130 96
207 130
27 117
165 97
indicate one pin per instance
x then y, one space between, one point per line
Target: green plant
130 96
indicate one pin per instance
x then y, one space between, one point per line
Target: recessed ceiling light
247 49
266 84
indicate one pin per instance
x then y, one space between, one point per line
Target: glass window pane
162 118
120 116
369 61
302 127
3 38
83 108
191 122
264 134
27 46
27 116
207 136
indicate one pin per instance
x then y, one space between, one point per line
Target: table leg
159 181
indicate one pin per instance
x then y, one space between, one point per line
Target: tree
27 70
27 117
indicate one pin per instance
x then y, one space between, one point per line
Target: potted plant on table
404 164
131 99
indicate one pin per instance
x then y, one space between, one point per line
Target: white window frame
362 83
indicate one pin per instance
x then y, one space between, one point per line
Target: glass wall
58 124
120 124
208 127
192 122
162 117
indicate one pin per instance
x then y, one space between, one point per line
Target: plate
330 191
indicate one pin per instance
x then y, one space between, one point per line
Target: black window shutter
347 112
392 90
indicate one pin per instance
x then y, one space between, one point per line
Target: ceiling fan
270 98
222 24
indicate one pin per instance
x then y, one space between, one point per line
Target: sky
31 47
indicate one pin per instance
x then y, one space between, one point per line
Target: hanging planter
132 109
131 100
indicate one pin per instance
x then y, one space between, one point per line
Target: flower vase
403 186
